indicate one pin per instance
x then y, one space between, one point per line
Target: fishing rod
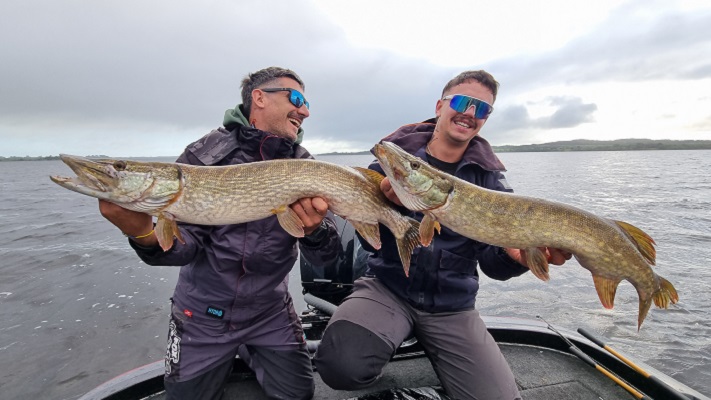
579 353
675 394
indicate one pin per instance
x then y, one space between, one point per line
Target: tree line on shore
568 145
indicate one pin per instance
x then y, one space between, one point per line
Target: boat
549 363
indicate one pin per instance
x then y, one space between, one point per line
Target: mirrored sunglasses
295 97
461 103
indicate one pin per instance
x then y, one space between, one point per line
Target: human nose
303 111
470 111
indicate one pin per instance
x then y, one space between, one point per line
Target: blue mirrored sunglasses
295 97
461 103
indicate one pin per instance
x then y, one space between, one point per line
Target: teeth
296 122
463 124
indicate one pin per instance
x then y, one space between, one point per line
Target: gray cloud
149 77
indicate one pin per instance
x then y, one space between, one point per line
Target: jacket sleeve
493 260
178 255
322 246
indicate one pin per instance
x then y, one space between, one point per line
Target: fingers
388 191
129 222
311 211
558 256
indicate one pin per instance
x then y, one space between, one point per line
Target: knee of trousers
351 357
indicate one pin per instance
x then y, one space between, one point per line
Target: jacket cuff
317 235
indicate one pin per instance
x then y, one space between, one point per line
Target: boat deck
556 375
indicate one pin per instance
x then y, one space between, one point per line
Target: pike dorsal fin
606 289
369 174
645 244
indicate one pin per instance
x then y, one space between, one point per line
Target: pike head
137 186
419 186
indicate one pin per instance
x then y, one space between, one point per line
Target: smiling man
232 293
435 303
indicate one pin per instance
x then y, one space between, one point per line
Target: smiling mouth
464 124
295 122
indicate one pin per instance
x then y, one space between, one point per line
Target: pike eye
120 165
415 165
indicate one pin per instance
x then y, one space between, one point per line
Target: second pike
611 250
210 195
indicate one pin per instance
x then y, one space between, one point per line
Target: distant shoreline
561 146
587 145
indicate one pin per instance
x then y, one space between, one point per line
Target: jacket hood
236 116
416 136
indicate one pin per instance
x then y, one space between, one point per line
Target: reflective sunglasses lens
482 110
460 104
297 99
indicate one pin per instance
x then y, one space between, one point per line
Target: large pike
610 250
221 195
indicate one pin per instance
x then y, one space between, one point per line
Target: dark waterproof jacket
444 277
233 272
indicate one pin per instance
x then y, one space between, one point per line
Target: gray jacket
233 272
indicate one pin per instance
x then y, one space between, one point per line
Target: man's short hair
480 76
258 79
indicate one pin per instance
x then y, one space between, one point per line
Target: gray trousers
372 322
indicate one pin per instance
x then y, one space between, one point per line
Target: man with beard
232 293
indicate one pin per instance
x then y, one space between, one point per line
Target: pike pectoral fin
407 243
666 294
289 220
644 242
369 232
427 228
538 263
606 289
166 230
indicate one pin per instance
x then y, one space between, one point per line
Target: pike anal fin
537 262
369 232
289 220
606 289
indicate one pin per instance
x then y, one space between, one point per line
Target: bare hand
554 256
311 212
388 191
131 223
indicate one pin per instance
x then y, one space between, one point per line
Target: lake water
77 306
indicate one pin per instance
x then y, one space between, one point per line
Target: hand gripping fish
610 250
222 195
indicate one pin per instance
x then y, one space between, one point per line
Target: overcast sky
145 78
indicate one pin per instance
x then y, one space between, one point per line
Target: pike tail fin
407 243
644 305
666 294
